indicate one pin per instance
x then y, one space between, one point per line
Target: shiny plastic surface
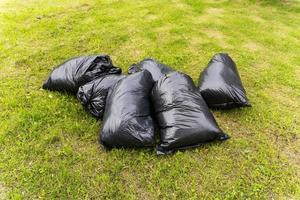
75 72
127 121
93 94
220 84
183 117
156 68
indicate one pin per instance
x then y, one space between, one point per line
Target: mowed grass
49 145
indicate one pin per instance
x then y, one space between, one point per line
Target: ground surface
48 144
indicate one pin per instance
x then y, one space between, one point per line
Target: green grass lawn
49 144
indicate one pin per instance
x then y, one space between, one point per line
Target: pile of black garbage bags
154 105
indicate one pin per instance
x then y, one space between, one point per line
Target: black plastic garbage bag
156 68
127 121
220 84
77 71
93 94
182 115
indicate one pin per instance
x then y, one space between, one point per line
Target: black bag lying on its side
75 72
156 68
127 121
183 117
220 84
93 94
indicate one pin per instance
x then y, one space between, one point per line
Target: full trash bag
75 72
182 115
127 121
93 94
220 84
156 68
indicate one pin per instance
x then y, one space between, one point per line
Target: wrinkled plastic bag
70 75
156 68
183 117
220 84
93 94
127 121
